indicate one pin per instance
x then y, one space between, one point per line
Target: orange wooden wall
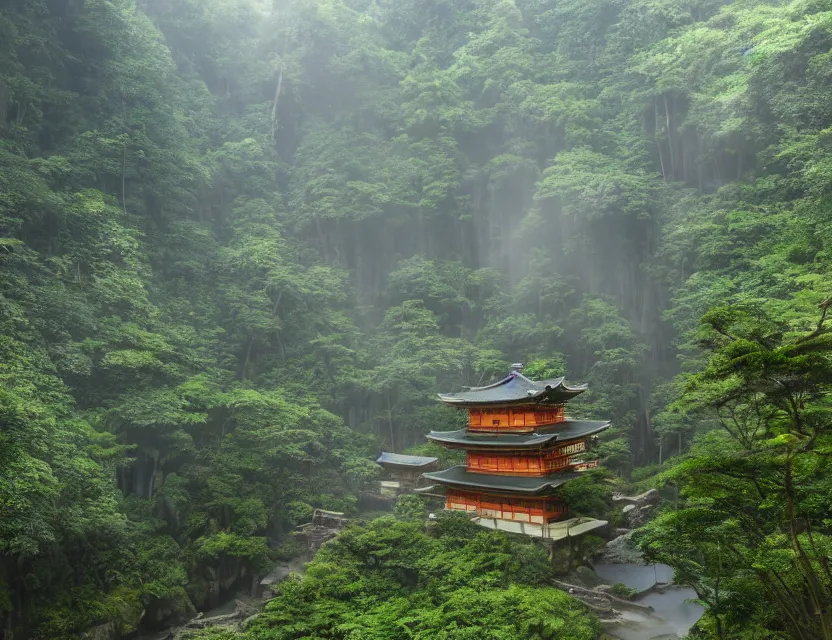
524 419
515 465
537 463
539 510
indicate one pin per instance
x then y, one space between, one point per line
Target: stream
673 615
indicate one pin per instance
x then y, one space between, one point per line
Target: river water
673 614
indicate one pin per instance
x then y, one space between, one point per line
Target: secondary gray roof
401 460
459 476
564 431
515 388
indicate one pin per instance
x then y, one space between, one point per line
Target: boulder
621 550
638 516
587 577
561 560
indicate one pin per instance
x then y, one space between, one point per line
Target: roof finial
517 367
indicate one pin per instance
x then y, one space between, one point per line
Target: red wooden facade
514 420
533 510
533 463
515 465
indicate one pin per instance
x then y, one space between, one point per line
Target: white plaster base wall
548 531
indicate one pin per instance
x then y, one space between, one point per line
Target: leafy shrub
299 513
291 547
410 508
621 590
391 579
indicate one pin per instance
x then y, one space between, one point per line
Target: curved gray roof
515 388
401 460
459 476
564 431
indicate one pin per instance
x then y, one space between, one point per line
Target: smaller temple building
520 449
404 472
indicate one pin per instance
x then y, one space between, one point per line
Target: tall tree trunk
656 136
669 138
278 89
123 171
247 359
151 480
273 129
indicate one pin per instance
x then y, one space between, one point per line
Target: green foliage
750 535
389 578
589 495
410 508
623 591
446 457
229 229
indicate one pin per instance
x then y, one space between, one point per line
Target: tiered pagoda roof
567 430
515 389
401 461
527 485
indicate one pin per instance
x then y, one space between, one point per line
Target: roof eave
535 440
555 396
544 488
483 441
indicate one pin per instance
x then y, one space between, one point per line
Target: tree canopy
243 244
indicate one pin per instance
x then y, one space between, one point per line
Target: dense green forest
243 244
392 580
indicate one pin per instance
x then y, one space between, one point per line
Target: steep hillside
242 245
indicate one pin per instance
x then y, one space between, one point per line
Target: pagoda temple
520 448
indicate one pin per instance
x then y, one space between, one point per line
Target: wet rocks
106 631
621 550
651 497
233 621
638 509
637 515
325 526
587 577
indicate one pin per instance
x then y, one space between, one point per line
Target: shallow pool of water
635 576
673 615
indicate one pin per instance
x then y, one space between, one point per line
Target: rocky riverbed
659 610
670 614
